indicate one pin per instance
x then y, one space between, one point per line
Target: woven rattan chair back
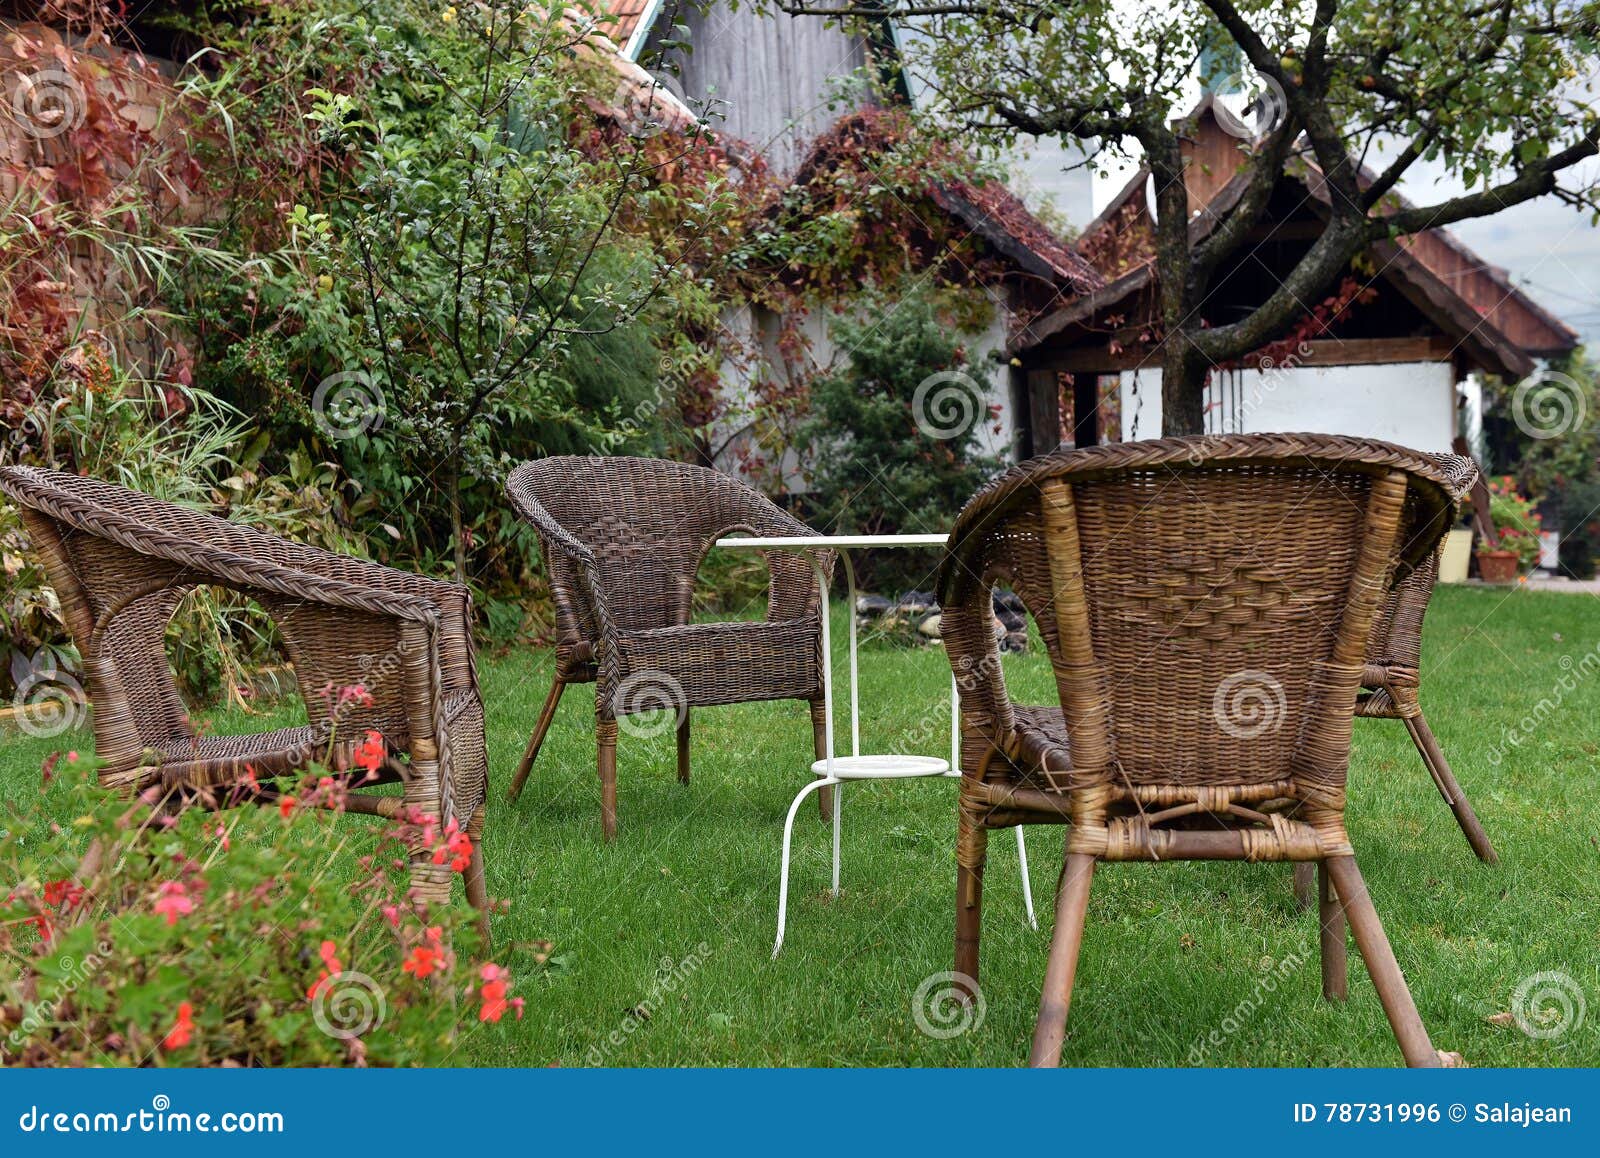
1214 603
651 521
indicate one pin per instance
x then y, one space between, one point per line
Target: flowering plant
149 933
1515 520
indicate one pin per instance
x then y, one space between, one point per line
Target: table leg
788 837
838 808
1027 885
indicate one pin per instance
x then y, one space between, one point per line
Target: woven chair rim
54 492
1193 454
519 488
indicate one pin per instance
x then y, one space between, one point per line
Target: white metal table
838 770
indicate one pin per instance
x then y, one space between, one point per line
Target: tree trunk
1183 384
458 540
1183 367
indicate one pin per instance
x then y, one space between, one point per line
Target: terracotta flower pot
1498 566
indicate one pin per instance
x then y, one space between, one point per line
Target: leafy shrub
1561 469
894 435
142 933
1575 507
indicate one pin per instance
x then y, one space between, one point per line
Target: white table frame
836 771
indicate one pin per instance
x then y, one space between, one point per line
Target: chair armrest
1461 474
791 586
554 538
228 568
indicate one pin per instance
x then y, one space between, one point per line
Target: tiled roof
986 207
1122 239
624 17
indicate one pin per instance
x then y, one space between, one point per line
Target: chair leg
1381 965
1304 879
546 714
1335 969
477 884
819 745
683 748
606 759
1439 768
972 843
1072 904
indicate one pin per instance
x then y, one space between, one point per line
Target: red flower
65 893
285 806
423 961
370 755
328 951
457 848
174 901
493 992
182 1030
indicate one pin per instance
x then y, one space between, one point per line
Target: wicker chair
622 540
1207 606
1394 656
120 562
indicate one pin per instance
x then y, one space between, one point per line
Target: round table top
882 767
812 542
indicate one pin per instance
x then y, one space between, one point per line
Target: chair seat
724 663
1038 740
209 761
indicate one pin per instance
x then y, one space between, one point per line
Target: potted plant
1516 524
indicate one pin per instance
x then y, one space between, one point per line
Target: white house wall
766 78
1413 403
996 435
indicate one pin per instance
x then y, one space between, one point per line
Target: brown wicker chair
1394 656
120 562
622 540
1207 609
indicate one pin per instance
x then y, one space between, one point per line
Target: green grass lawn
678 916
